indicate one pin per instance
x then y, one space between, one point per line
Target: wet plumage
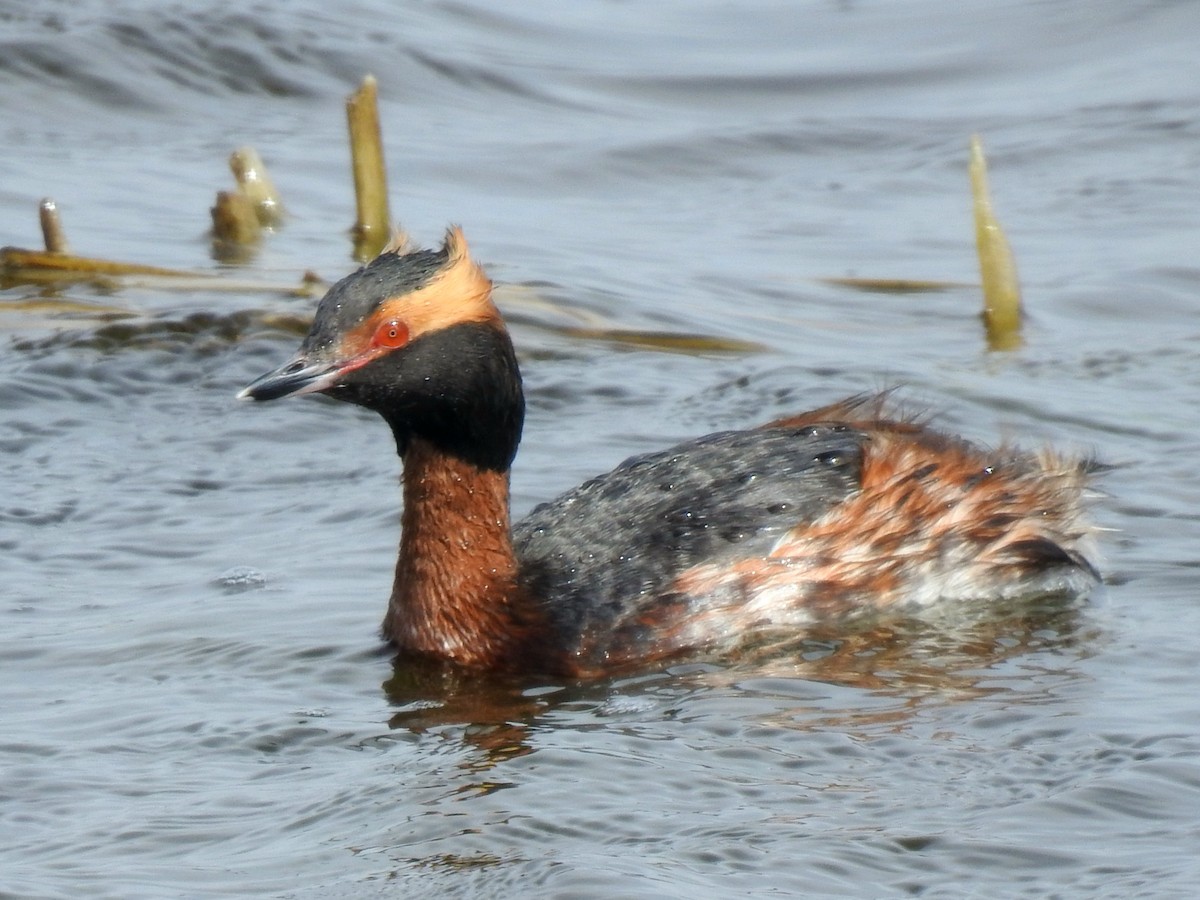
819 517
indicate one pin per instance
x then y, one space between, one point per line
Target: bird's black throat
459 389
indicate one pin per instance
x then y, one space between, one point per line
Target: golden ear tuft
455 245
399 243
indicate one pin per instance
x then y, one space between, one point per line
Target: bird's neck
456 596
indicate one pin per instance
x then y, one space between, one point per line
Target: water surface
195 699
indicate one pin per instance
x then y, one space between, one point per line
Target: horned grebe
824 515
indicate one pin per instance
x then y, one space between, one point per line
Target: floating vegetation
895 285
457 862
670 341
373 228
19 266
1001 290
533 306
1002 311
56 265
201 331
240 217
40 315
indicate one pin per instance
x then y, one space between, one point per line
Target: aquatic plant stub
372 228
235 219
53 235
254 182
998 268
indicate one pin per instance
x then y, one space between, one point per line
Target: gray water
194 699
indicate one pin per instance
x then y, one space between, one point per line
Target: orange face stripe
458 294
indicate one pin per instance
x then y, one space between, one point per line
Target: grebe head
415 336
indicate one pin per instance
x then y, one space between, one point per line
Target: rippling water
195 702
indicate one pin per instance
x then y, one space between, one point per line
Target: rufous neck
455 596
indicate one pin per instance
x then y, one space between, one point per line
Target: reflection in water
697 185
918 663
720 767
496 712
911 656
912 661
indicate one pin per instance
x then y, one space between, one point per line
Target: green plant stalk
1001 289
372 230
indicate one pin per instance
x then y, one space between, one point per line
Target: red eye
391 334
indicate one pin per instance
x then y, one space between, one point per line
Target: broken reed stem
253 181
52 230
372 229
236 227
1001 289
61 265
